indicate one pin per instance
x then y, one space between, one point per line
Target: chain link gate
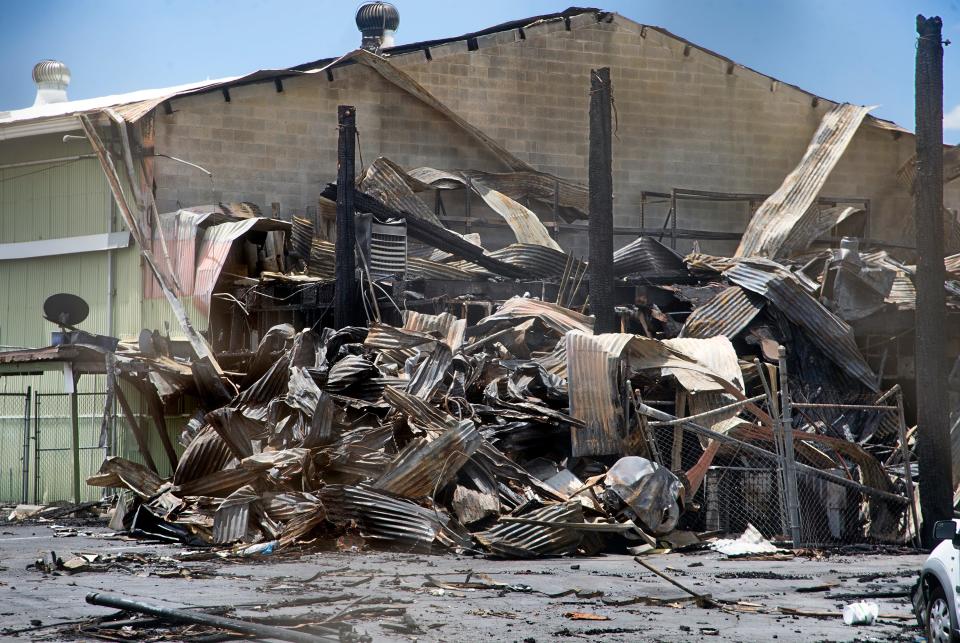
15 446
53 448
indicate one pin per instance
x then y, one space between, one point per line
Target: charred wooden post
933 437
345 303
601 203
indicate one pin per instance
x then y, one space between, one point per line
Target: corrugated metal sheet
301 237
217 242
647 256
828 332
233 515
775 219
538 261
593 366
349 370
449 328
715 353
206 453
902 293
546 188
594 383
386 181
420 268
426 465
815 223
393 521
519 540
517 309
952 264
390 339
118 472
699 261
726 314
322 260
526 225
285 505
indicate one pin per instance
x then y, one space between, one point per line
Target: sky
860 51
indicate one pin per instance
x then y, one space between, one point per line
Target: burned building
216 198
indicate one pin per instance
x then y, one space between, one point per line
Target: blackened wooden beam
601 204
345 307
933 436
136 428
431 234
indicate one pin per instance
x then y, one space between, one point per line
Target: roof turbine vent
51 78
377 21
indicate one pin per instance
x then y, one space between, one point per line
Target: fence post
907 468
777 438
791 499
25 474
75 445
36 449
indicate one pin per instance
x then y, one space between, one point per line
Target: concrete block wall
266 146
685 118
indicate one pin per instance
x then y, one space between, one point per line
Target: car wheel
940 620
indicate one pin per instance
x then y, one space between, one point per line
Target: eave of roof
136 105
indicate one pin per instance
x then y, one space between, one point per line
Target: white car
935 597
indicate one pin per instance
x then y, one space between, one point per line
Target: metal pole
907 467
345 308
187 616
774 409
933 438
26 447
601 203
36 449
75 444
792 500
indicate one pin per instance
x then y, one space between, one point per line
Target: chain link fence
811 486
14 446
53 445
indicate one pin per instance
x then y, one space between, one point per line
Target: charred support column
601 203
933 436
345 303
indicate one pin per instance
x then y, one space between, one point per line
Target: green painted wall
48 201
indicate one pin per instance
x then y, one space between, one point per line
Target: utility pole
601 203
345 293
933 436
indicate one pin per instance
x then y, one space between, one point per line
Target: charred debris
471 405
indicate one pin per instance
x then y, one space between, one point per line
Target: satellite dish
65 309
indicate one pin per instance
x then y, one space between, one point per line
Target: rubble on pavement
520 434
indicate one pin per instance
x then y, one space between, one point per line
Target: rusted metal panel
547 189
517 309
726 314
426 465
519 540
526 225
540 261
785 209
449 328
828 332
647 256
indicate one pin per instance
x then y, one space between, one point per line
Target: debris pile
736 393
525 434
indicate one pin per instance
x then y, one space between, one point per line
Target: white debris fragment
861 613
750 542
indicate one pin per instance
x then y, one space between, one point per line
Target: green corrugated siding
50 201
